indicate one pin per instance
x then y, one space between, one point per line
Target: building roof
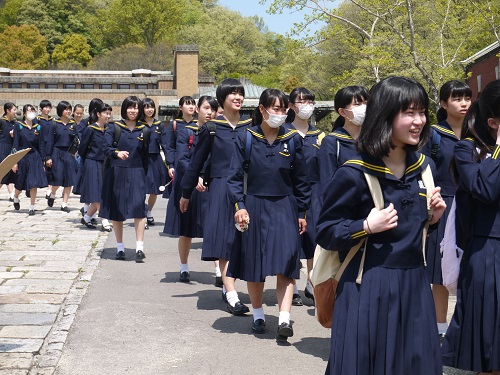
481 55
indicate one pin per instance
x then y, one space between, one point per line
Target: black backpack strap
116 135
246 161
211 127
146 134
435 141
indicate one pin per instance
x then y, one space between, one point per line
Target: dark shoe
285 330
93 221
150 221
308 294
238 309
28 194
218 282
441 338
47 196
106 228
31 212
50 201
146 226
82 211
259 326
184 277
17 206
11 199
120 255
88 225
297 301
224 298
65 209
139 256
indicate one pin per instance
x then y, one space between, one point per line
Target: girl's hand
200 187
437 203
11 133
381 220
123 155
302 226
183 204
14 168
241 216
171 172
48 163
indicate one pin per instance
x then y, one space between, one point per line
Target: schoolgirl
91 150
78 112
84 122
61 162
340 145
386 324
45 120
267 185
219 232
301 109
7 125
189 224
124 184
30 169
472 341
157 171
455 100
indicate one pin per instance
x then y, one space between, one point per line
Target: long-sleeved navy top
7 126
336 148
348 202
275 170
220 156
442 159
158 136
25 137
131 141
47 133
92 143
481 181
171 140
187 139
61 136
82 125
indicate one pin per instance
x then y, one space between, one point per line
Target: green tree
8 12
74 52
23 47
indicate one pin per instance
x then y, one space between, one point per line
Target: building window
15 85
123 86
105 86
51 86
69 86
33 85
155 86
141 86
479 83
87 86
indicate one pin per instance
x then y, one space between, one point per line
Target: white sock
442 327
120 246
94 216
86 218
184 267
217 272
52 195
232 297
32 207
105 222
64 204
139 245
295 288
16 200
49 192
284 317
258 314
86 207
149 214
11 195
224 289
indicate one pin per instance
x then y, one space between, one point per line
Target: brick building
482 68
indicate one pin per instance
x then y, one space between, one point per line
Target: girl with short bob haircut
124 184
386 324
268 186
7 124
472 341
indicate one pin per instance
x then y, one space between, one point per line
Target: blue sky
279 23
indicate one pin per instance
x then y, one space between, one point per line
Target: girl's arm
299 177
327 162
85 140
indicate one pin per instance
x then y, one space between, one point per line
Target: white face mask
31 116
275 121
359 113
305 111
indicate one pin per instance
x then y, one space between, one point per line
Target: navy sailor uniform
124 184
442 156
31 171
472 341
91 150
6 142
278 194
311 142
387 324
190 223
60 136
219 231
157 170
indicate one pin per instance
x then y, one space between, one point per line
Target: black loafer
93 221
31 212
259 326
139 256
224 298
308 294
47 196
82 211
50 201
150 221
120 255
184 277
285 330
88 225
17 206
146 226
218 282
28 194
65 209
297 301
106 228
238 309
11 199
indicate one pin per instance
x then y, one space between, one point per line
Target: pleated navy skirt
6 150
123 194
472 341
219 230
190 223
31 172
308 239
157 174
433 247
386 325
271 245
63 168
90 182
